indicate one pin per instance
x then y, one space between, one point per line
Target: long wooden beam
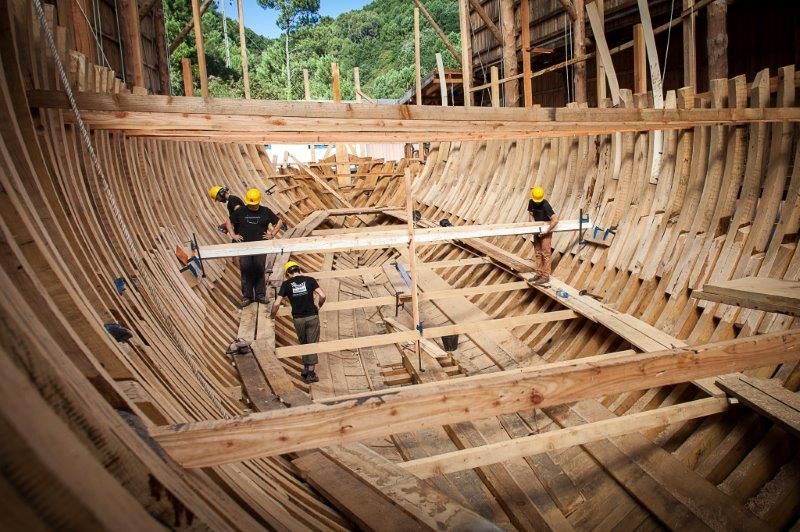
442 35
432 332
178 116
562 439
377 239
377 414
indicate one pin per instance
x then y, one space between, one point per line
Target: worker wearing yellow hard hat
252 223
223 195
299 289
539 210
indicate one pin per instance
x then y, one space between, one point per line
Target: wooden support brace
377 414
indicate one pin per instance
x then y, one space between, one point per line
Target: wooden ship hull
96 434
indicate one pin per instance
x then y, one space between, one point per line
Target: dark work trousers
254 285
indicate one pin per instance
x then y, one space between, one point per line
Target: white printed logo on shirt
299 289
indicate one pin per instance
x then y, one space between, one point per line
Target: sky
263 20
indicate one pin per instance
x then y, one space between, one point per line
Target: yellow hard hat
290 264
537 194
214 191
252 197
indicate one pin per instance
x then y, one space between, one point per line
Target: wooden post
161 47
495 76
81 29
599 68
442 80
201 52
186 71
412 256
689 46
717 41
438 30
466 51
129 14
603 53
357 83
639 61
417 59
188 27
525 28
306 85
510 88
243 49
579 32
336 83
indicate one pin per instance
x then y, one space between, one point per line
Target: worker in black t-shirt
299 289
539 210
223 195
252 224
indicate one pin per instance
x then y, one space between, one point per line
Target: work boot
541 281
304 373
263 300
246 301
311 377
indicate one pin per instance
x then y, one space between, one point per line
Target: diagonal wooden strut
381 413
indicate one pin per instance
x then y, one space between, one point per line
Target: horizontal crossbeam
494 453
379 239
378 414
188 117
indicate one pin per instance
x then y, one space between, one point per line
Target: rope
115 210
669 34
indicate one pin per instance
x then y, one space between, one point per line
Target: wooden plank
417 60
380 413
366 507
689 45
378 239
564 438
201 52
306 85
493 72
466 51
442 79
767 398
438 30
431 332
639 61
186 73
525 32
770 295
336 83
243 51
426 504
604 55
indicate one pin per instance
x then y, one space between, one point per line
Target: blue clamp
419 328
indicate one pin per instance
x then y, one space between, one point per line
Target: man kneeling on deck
252 224
539 210
299 289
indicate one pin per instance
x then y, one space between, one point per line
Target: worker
539 210
252 223
299 289
223 195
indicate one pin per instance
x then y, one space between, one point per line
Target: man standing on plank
539 210
251 224
223 195
299 289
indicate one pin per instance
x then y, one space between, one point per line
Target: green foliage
379 39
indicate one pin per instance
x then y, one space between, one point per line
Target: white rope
115 210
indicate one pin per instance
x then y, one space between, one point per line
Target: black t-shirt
542 211
232 204
252 224
300 292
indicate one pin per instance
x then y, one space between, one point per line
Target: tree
293 14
